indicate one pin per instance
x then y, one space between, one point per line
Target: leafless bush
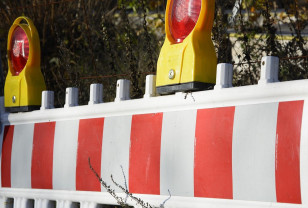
120 200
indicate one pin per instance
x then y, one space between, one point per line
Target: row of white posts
96 93
269 74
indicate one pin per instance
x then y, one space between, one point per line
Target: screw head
14 99
171 74
263 63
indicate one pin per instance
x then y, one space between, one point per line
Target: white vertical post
3 201
269 70
150 86
71 97
7 202
47 100
20 202
123 86
44 203
224 76
88 205
96 94
66 204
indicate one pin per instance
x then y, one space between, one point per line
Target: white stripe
22 156
177 153
253 152
115 151
304 155
65 155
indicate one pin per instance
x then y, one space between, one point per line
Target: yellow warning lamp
24 82
187 61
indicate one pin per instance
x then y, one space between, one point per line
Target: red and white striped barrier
235 147
249 152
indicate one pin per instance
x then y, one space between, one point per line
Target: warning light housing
24 82
188 51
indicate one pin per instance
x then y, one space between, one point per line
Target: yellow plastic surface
193 60
27 87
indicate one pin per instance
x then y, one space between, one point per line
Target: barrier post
96 94
150 86
71 97
123 87
269 70
224 76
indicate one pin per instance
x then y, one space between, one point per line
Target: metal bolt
263 63
14 99
171 74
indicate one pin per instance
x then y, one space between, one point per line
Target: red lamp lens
19 51
183 18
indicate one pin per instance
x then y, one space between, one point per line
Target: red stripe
6 156
42 155
213 153
144 168
288 135
90 140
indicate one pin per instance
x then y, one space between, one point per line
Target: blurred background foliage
100 41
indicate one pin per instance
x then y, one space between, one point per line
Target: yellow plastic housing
193 60
26 87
